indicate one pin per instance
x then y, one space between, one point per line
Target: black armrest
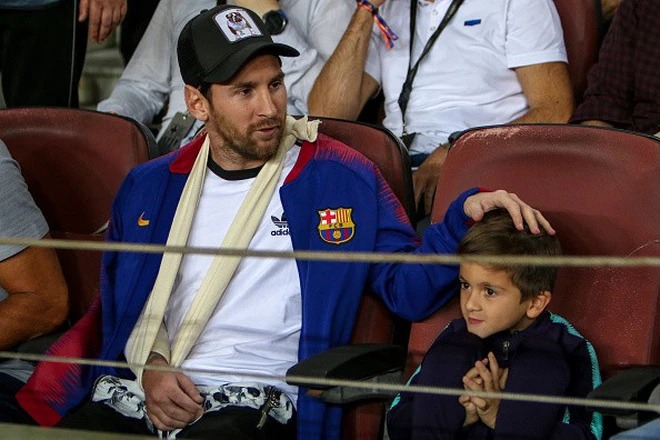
633 385
373 363
40 344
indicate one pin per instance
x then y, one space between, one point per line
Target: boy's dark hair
496 234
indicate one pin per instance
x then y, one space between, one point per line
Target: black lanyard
404 97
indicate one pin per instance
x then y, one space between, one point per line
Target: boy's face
490 303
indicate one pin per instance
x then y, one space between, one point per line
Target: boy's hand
471 382
471 415
493 380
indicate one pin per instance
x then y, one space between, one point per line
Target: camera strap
404 97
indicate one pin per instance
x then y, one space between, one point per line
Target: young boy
506 341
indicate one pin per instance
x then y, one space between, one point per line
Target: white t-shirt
466 79
255 329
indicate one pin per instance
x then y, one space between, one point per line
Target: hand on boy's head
478 204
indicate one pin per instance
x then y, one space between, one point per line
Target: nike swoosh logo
142 221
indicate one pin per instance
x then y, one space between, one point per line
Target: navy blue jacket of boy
549 357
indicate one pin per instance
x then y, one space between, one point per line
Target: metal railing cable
362 257
351 257
327 382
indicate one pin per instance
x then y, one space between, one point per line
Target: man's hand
478 204
172 400
104 16
486 376
425 179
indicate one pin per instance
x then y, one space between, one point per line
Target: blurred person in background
43 44
152 81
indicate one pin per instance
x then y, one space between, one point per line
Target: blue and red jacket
327 175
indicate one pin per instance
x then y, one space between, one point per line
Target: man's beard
244 145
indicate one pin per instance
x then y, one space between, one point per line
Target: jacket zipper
505 350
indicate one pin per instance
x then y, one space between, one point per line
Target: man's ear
538 304
198 105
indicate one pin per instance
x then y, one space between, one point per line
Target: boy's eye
276 84
244 91
490 292
464 285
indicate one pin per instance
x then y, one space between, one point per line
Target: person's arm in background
343 87
37 301
314 28
610 85
145 84
547 87
103 15
38 297
535 50
545 81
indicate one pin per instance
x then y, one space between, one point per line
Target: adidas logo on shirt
282 225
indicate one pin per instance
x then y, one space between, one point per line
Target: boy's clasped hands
486 375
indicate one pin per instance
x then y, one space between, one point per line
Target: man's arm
38 296
399 286
315 27
104 16
343 87
145 83
547 87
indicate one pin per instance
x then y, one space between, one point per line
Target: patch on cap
236 25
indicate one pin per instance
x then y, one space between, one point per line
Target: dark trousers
10 411
232 423
42 53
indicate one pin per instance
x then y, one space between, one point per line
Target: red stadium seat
598 187
73 162
374 322
581 26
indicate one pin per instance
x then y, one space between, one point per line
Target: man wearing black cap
257 180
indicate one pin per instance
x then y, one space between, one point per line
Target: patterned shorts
127 398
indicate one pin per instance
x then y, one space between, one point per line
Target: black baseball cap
215 44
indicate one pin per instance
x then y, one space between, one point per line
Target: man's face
247 115
490 303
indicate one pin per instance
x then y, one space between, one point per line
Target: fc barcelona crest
336 225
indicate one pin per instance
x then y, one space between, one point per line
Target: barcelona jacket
327 175
549 358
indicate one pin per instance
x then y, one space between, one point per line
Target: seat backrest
73 162
374 322
580 21
598 187
380 146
